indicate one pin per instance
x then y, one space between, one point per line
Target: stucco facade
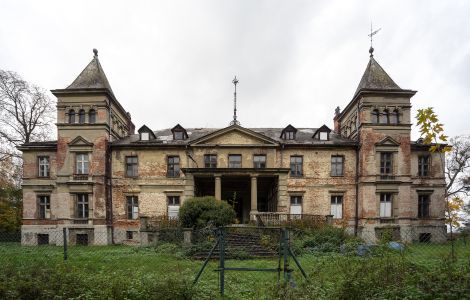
100 178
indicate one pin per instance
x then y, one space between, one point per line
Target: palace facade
100 178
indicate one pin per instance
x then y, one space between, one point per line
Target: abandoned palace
101 179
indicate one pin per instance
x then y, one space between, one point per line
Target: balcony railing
80 177
387 177
281 219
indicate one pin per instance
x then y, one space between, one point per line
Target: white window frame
172 208
336 209
144 136
43 166
82 163
386 200
44 201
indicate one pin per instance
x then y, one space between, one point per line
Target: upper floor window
81 116
44 203
384 117
386 163
132 207
131 166
423 165
336 206
82 163
43 166
210 161
82 206
71 116
259 161
375 116
235 161
423 206
296 165
92 116
337 165
394 117
173 166
385 205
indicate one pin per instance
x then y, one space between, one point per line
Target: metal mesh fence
178 254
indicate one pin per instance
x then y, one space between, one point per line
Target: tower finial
235 121
372 33
95 52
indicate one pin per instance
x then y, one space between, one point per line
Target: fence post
285 249
65 243
222 260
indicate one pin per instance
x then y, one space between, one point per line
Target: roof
92 77
375 78
38 145
165 137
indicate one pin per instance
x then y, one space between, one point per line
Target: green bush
200 212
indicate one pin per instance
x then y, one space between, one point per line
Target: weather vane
235 121
372 33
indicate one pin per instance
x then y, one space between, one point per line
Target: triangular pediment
234 135
388 141
80 141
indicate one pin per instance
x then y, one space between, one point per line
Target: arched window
384 117
92 116
71 116
81 116
375 116
394 117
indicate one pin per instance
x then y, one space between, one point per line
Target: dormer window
146 134
323 136
323 133
179 133
289 133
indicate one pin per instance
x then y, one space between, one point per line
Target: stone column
254 197
218 187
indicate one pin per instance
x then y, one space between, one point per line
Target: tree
26 113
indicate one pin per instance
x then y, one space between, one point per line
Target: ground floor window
82 206
82 239
130 235
336 207
132 207
425 237
385 205
44 203
423 206
43 239
173 207
296 205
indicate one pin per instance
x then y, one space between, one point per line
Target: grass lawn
124 272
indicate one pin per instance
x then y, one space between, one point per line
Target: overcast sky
173 62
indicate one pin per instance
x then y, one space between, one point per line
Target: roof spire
95 52
235 121
372 33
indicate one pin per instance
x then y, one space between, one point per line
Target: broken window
259 161
234 161
130 235
423 165
44 203
132 207
385 205
173 166
336 207
210 161
131 166
337 165
82 206
423 206
82 163
386 163
43 166
296 165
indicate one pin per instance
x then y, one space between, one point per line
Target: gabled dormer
322 133
146 134
179 133
289 133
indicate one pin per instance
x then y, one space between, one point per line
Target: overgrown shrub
200 212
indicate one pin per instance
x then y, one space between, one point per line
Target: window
173 207
423 206
82 163
423 165
178 135
44 207
296 205
144 136
386 163
132 207
375 116
336 208
289 135
82 206
259 161
43 166
234 161
81 116
425 237
385 205
296 165
336 165
394 117
323 136
43 239
173 166
131 166
82 239
210 161
130 235
384 117
71 116
91 116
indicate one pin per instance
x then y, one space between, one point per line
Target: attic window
178 135
323 136
144 136
289 135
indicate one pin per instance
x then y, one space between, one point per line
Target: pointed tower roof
92 77
375 78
